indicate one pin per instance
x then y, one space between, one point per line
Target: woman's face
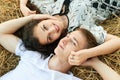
74 41
47 31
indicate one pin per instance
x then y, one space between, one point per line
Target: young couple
43 30
55 67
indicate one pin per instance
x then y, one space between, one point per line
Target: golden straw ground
9 9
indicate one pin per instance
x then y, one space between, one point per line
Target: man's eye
73 43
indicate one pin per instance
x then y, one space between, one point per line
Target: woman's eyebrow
42 28
48 39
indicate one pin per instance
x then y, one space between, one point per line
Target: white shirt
32 67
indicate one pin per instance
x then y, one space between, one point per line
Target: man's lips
61 46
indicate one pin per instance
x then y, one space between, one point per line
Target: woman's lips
57 28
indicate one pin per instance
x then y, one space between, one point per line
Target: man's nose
66 40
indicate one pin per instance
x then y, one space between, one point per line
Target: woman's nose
52 30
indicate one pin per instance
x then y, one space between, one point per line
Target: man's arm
111 44
105 71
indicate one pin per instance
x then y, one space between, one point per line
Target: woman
71 12
78 12
31 66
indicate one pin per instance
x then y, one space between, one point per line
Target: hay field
9 9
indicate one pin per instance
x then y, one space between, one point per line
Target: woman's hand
26 11
43 16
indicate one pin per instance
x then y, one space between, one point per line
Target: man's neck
56 64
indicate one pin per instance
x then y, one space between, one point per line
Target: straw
9 9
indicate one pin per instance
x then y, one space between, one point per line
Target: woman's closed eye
44 27
50 38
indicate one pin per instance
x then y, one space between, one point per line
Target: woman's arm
105 71
12 26
7 39
111 44
23 2
25 10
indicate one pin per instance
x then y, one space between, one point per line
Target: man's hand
77 58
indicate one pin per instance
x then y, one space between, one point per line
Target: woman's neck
61 66
64 19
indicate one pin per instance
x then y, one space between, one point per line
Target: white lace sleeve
48 6
98 32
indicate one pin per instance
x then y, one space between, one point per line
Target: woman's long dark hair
33 7
66 7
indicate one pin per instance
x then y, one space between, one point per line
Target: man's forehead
75 33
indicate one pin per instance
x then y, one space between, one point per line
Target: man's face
74 41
